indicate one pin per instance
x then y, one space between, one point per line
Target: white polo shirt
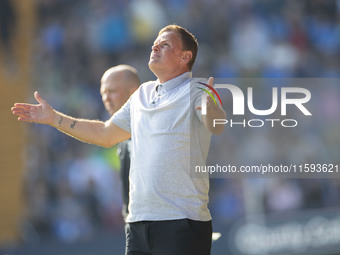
166 134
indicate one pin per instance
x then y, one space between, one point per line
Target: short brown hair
188 40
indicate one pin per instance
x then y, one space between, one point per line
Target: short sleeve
196 95
122 118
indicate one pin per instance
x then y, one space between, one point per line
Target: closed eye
161 45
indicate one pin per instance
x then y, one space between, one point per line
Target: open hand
39 113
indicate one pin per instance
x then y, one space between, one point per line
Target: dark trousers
170 237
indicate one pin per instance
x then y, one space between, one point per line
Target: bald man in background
117 85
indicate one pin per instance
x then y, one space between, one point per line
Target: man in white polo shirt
168 213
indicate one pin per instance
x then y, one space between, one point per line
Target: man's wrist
57 119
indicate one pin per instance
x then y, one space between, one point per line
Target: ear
186 57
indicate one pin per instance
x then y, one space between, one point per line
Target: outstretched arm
96 132
213 112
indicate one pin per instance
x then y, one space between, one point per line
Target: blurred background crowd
72 189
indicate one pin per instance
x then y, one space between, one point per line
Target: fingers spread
25 119
211 81
14 109
22 114
38 97
23 105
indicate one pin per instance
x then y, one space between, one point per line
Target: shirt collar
173 83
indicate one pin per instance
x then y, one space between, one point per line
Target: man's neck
167 77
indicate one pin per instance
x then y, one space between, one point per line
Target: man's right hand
104 134
41 113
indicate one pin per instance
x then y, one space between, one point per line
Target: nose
155 47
